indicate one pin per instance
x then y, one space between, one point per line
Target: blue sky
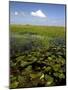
37 14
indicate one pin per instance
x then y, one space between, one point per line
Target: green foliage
47 69
14 84
49 80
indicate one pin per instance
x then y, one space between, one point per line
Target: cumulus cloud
38 13
16 13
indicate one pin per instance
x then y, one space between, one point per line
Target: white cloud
38 13
16 13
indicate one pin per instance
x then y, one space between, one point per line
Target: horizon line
38 25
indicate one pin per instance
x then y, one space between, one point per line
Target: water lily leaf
14 84
42 76
23 63
35 75
49 80
56 67
49 58
48 68
61 76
